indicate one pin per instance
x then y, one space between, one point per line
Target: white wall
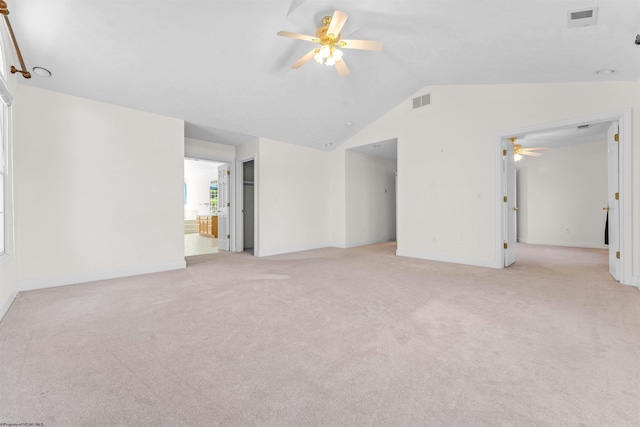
199 193
98 190
447 159
561 195
293 192
370 199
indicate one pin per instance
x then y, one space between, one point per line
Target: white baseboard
490 263
70 279
367 242
6 304
271 252
567 244
334 244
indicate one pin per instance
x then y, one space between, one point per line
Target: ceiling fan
519 151
330 43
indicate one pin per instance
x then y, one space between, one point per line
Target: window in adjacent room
213 192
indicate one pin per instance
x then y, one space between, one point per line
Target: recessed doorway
615 200
201 194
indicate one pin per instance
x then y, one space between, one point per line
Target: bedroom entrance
206 216
568 189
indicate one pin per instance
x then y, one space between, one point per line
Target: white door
613 206
509 203
224 234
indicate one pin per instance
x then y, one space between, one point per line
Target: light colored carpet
331 337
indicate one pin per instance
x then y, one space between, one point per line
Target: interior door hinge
618 255
617 196
504 152
228 204
616 138
505 199
506 246
228 172
228 236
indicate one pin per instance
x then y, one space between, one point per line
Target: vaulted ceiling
219 65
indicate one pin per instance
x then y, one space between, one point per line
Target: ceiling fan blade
360 44
532 154
300 62
342 68
337 22
298 36
535 148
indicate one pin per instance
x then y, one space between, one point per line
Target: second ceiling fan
519 151
330 43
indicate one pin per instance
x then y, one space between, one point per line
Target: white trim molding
71 279
366 242
7 303
282 251
477 262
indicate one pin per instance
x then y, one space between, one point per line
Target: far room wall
371 199
198 191
561 195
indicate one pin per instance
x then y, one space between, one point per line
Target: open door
224 234
509 203
613 202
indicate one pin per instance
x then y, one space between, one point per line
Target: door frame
232 192
625 169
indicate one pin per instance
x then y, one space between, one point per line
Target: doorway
248 206
202 191
370 193
507 211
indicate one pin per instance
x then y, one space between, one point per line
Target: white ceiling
220 66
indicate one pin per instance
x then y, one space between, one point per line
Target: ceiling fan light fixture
517 157
328 55
325 51
329 38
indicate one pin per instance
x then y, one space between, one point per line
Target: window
5 101
3 174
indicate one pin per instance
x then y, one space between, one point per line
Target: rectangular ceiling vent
583 17
421 101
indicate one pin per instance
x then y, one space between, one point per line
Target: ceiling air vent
421 101
583 17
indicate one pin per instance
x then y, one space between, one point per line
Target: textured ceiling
219 65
